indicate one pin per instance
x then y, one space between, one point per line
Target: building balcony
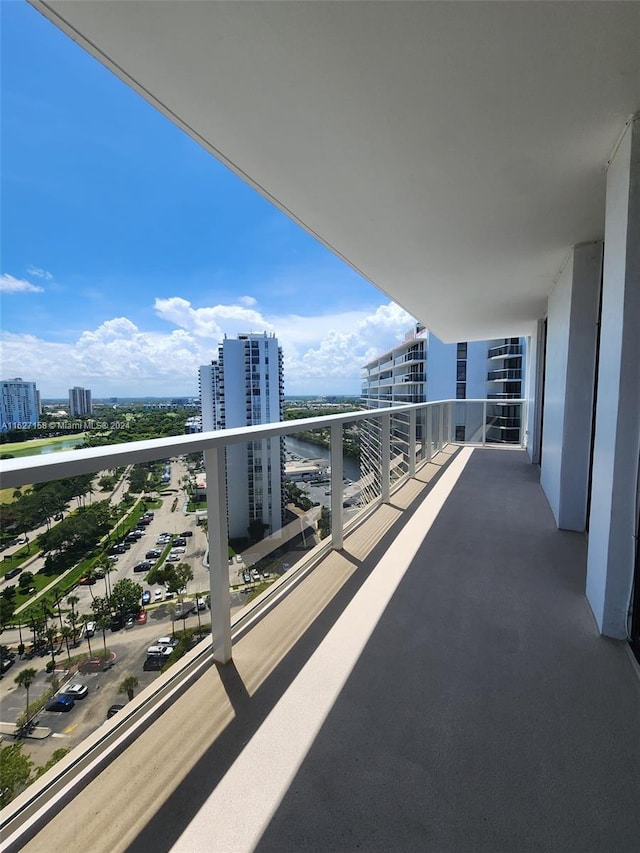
433 668
506 375
505 351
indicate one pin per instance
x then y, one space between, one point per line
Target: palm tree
67 633
172 614
86 619
72 601
25 679
127 686
51 634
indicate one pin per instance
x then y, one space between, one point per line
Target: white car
158 595
89 629
178 550
166 641
159 651
76 691
238 558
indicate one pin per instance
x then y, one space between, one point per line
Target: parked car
113 558
255 575
159 651
60 703
141 618
201 604
76 691
143 566
153 554
87 581
167 641
129 622
146 596
173 558
12 573
178 550
187 533
158 595
238 558
179 540
90 629
246 576
114 710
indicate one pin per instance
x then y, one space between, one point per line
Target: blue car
146 597
60 703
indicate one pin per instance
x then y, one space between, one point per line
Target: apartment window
461 390
461 371
462 350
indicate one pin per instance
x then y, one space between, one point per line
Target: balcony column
428 433
385 457
214 463
337 511
412 443
613 514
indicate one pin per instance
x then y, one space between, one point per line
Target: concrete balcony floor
438 692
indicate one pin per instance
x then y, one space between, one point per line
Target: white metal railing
438 423
409 435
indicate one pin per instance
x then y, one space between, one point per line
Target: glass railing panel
468 421
504 423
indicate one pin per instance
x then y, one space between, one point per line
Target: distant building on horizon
80 403
243 387
19 404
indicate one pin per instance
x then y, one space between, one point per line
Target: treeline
43 503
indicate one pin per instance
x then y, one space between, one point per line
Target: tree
179 578
25 679
125 596
86 619
51 634
128 685
16 772
25 581
172 616
67 634
72 601
324 523
102 612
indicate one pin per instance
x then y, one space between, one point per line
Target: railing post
337 510
450 411
441 427
412 443
214 463
428 410
484 423
385 458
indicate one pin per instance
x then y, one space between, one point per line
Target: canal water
60 445
307 450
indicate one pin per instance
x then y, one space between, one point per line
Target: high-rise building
424 369
20 404
243 387
79 402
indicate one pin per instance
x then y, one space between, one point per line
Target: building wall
80 402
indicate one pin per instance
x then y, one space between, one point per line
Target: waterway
62 445
307 450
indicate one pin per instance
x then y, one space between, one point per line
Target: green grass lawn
33 447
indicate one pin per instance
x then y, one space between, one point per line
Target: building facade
244 387
20 404
80 402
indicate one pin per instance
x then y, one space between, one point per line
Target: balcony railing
400 440
505 351
505 375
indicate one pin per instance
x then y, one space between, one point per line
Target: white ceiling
452 152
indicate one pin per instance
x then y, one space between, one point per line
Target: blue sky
127 251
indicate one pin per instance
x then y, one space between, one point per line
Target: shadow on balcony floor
479 710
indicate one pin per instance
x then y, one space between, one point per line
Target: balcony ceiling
450 152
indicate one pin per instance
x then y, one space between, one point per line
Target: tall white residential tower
80 402
19 405
243 387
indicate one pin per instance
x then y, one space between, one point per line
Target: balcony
437 673
506 375
505 351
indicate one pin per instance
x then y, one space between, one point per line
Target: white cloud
39 273
9 284
249 301
323 354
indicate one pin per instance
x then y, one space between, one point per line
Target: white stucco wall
612 518
555 386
